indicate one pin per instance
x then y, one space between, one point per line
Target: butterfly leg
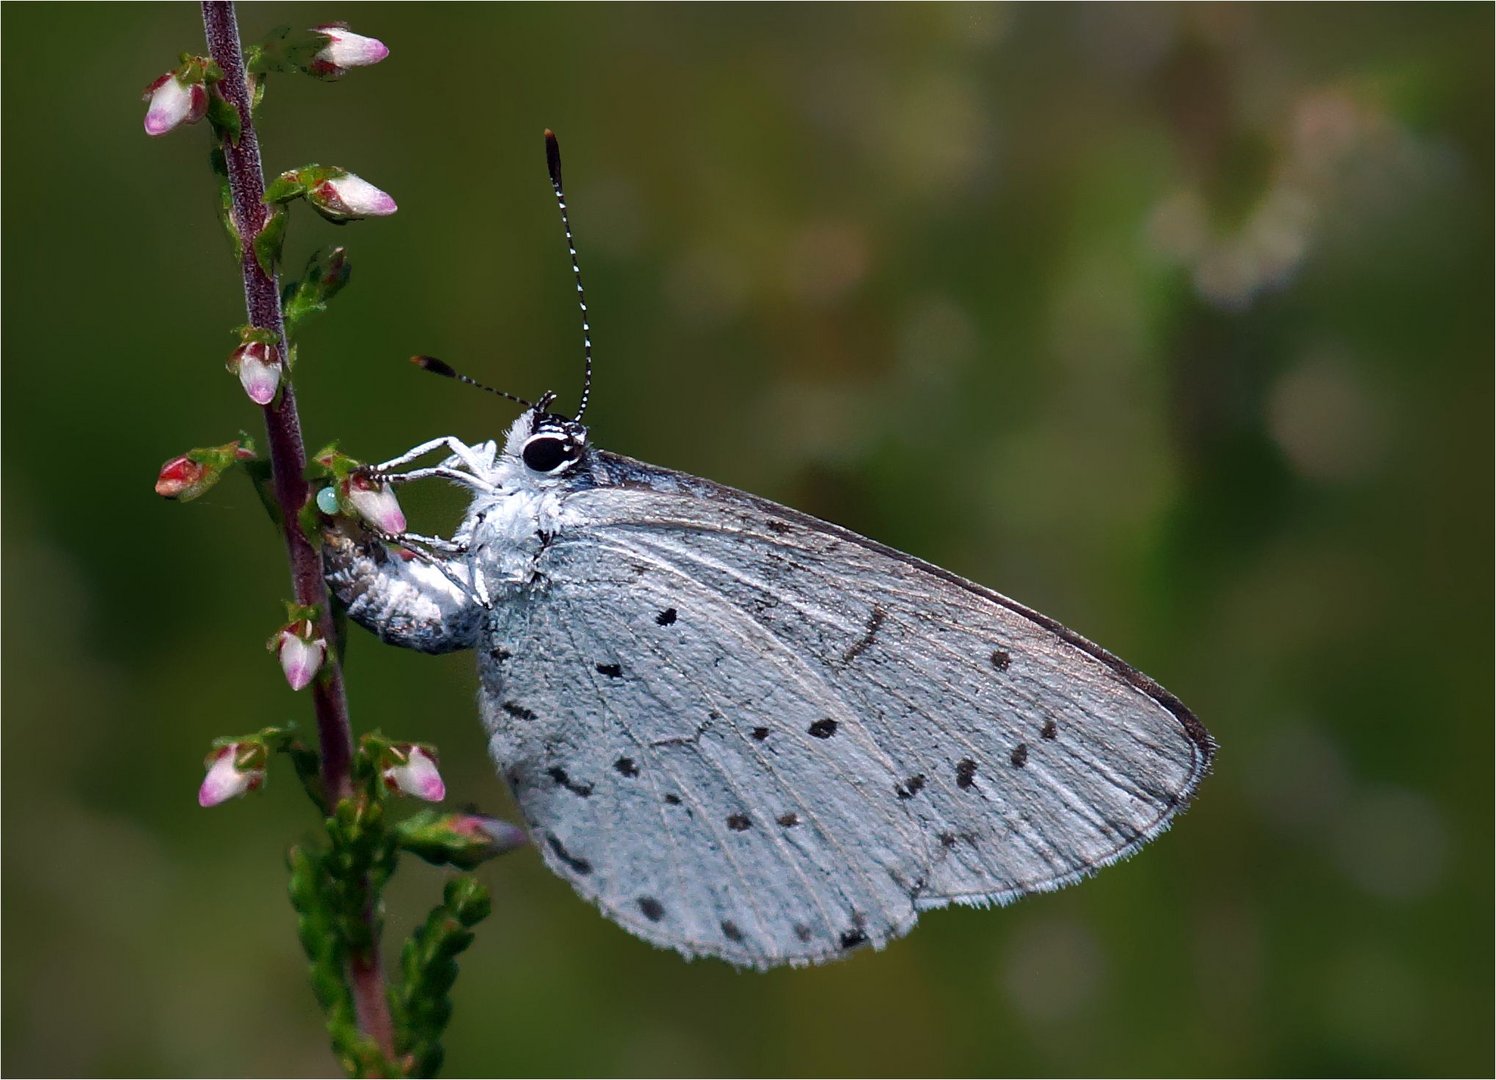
432 543
436 552
443 472
471 456
432 550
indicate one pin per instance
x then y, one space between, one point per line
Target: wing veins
1066 794
717 837
811 679
787 851
675 862
1194 730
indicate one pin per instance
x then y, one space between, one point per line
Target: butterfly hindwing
749 734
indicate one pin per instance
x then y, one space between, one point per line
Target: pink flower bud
375 503
173 103
344 50
180 476
259 369
417 775
225 779
301 655
346 197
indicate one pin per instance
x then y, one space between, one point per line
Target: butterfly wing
749 734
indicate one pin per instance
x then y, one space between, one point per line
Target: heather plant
380 1025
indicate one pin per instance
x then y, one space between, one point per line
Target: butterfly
747 733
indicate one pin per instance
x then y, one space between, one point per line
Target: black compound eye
547 453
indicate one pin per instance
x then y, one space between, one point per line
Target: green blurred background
1173 322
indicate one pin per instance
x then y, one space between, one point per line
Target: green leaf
286 50
271 238
428 968
226 201
330 463
285 187
261 475
224 117
468 899
309 519
309 771
326 273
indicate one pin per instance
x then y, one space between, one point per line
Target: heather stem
288 464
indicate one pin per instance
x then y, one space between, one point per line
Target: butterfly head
546 444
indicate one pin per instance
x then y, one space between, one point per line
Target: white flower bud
350 196
173 104
300 654
418 776
225 780
344 50
259 369
376 504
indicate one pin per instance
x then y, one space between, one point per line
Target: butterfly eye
549 453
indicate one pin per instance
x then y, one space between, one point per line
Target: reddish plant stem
288 466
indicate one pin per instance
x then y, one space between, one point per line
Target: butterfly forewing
747 733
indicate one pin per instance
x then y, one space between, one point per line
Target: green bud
468 900
461 840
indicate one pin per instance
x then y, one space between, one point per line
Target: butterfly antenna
442 368
553 166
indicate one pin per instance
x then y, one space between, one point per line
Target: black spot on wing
653 910
666 617
802 931
731 932
1049 730
966 773
1019 756
558 774
739 822
776 526
760 734
577 865
626 767
910 787
874 623
518 711
612 671
498 652
823 729
789 821
1001 659
947 839
852 938
673 799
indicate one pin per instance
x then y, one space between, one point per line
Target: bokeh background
1173 322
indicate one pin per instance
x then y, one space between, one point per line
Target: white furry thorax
504 529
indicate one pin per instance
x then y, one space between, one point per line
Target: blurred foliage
1174 322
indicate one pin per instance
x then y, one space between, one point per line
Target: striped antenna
553 166
442 368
